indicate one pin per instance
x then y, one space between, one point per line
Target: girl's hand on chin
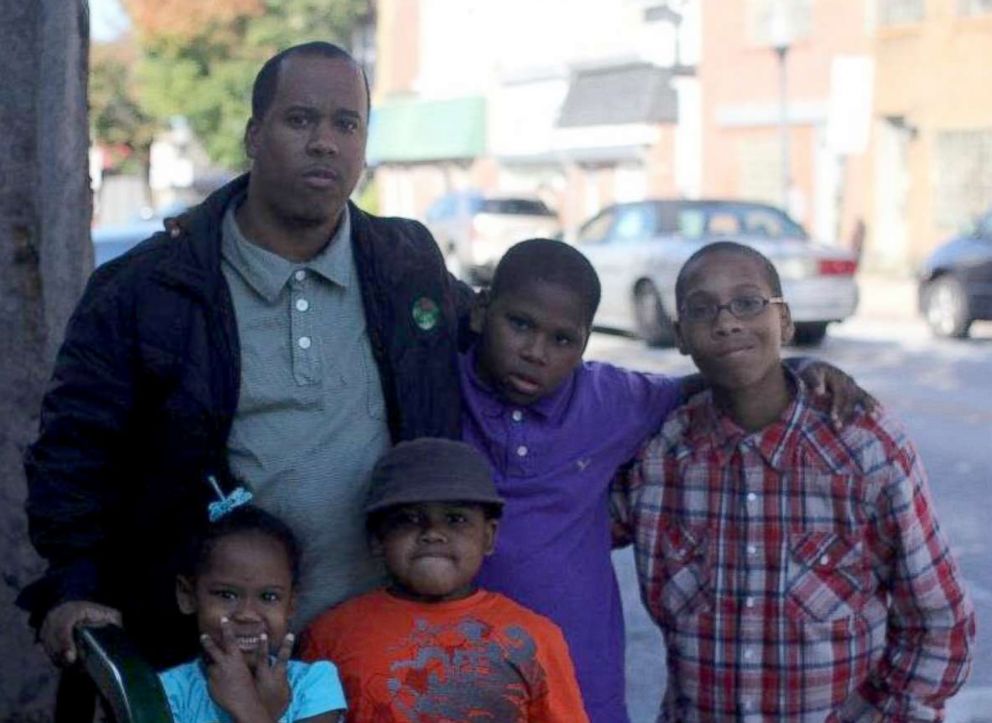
270 676
232 685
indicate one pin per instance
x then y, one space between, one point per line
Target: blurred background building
869 121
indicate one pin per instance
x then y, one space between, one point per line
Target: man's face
532 339
433 550
247 580
308 151
732 353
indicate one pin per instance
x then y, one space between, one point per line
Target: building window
974 7
964 176
900 12
761 20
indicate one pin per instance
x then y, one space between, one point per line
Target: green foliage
207 75
116 117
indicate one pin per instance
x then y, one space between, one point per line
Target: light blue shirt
315 689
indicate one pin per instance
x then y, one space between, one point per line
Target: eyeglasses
741 307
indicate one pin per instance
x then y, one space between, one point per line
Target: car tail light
837 267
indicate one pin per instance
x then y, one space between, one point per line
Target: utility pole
781 37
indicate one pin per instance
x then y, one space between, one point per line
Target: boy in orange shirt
432 645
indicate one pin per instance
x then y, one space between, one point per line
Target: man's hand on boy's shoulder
844 395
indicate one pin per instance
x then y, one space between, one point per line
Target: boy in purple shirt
555 429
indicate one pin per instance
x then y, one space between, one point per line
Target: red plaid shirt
797 573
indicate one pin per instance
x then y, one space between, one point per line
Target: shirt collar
709 426
483 397
267 273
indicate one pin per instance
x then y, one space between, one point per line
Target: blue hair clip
225 503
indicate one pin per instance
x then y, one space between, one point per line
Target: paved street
942 391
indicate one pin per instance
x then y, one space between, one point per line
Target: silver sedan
638 248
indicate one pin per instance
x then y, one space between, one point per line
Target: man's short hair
549 261
267 80
727 247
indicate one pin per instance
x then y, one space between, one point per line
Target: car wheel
653 325
809 333
945 306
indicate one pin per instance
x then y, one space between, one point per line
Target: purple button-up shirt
553 462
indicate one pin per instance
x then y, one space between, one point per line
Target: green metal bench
128 684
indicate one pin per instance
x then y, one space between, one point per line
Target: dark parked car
956 281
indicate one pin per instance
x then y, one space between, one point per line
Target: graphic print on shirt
463 671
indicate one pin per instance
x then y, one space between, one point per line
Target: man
276 337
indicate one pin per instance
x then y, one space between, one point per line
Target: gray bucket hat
431 470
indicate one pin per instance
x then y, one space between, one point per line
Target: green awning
427 130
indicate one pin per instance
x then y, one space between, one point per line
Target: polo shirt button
517 415
304 342
302 304
300 275
521 451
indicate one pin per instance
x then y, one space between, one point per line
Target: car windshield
514 207
706 220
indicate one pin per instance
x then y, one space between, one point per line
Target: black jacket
145 388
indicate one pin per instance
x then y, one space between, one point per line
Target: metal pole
783 52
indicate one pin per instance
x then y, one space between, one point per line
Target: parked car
638 248
955 282
475 230
112 240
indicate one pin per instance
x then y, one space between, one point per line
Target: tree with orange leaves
198 59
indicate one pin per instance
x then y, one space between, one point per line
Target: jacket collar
196 263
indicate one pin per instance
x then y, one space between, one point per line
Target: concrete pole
782 52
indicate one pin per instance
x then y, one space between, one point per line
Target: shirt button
302 304
752 550
749 602
300 275
747 704
748 654
825 560
521 451
304 342
751 497
517 415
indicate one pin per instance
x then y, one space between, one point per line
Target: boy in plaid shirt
797 571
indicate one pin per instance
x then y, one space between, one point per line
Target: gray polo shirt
311 420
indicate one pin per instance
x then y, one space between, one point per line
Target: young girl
239 584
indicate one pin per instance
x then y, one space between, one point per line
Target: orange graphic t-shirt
483 658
